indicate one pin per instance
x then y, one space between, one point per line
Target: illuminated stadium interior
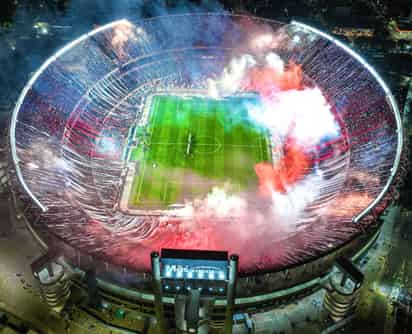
269 140
186 146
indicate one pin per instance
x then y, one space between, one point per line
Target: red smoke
267 80
289 169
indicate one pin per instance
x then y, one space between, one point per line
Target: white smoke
222 204
303 114
232 77
289 206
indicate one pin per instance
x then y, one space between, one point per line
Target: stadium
217 132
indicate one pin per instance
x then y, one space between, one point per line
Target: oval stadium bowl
224 132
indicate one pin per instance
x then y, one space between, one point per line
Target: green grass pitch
191 144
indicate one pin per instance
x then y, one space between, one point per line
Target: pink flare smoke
267 80
291 168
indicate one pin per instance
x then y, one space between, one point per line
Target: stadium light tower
157 288
195 279
343 290
231 291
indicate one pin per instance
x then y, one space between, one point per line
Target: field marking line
166 184
260 148
217 144
189 143
269 147
174 172
141 176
